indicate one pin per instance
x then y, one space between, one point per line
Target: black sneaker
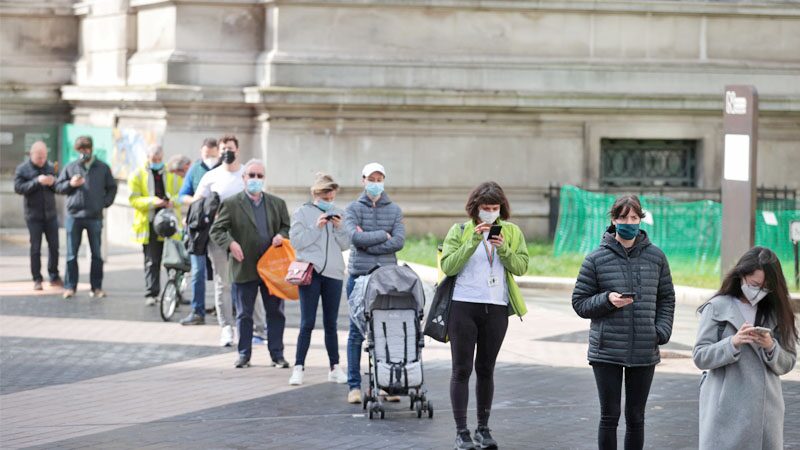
242 362
464 441
484 438
193 319
280 363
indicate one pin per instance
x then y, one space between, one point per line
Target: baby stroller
175 259
393 306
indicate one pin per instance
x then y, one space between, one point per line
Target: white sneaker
297 376
337 375
226 336
148 301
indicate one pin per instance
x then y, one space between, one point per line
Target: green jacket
236 222
459 246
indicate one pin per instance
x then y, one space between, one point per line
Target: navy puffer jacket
371 247
627 336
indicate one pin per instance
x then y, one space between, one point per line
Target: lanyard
489 253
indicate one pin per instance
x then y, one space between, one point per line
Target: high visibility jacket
142 198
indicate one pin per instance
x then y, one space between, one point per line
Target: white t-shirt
472 284
223 182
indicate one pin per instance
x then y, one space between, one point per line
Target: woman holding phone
746 340
484 253
625 288
319 237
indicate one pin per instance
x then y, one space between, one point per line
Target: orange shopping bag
272 268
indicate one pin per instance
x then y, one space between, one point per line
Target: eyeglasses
255 175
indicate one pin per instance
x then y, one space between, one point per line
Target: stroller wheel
370 410
411 401
418 406
430 410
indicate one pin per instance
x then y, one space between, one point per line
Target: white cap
373 167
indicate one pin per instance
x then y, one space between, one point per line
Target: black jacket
98 192
40 200
198 223
627 336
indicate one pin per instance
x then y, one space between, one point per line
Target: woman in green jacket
485 294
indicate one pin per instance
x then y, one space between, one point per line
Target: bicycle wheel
169 300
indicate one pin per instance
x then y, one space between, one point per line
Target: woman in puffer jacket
625 288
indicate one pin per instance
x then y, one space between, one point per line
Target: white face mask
210 162
488 217
753 294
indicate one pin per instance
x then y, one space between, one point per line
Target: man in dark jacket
90 187
248 223
35 179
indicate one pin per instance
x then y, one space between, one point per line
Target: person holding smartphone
319 237
625 288
484 254
746 340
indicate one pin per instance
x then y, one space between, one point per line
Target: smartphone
762 330
330 217
494 231
628 295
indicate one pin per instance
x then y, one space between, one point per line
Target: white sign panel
737 157
734 104
648 217
794 230
769 218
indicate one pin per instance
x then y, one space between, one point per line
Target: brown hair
212 143
84 142
776 302
229 137
487 193
624 204
323 183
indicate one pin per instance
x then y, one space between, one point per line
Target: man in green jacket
248 223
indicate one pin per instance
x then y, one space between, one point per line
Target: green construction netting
689 233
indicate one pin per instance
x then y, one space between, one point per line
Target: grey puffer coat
627 336
372 247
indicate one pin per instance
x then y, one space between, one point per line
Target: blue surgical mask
627 231
254 185
374 189
324 206
156 166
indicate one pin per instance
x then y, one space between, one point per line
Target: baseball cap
373 167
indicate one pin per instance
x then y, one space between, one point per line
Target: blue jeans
331 291
74 227
244 298
198 284
354 342
48 227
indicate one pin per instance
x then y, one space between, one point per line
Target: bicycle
172 295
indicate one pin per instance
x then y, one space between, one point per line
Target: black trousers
474 325
50 230
609 389
152 264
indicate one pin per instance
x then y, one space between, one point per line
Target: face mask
157 166
85 157
228 157
628 231
324 206
254 185
210 162
753 294
488 217
374 189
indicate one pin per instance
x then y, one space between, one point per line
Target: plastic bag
272 268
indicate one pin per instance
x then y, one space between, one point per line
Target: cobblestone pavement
108 373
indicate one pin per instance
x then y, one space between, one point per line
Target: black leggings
609 388
474 324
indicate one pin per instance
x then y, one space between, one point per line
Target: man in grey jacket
376 230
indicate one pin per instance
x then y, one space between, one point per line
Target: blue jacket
372 247
193 176
96 193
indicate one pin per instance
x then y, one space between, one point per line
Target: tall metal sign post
740 126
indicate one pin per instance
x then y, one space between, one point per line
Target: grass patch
422 250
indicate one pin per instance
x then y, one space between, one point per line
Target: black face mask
228 157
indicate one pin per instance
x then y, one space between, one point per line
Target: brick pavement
109 374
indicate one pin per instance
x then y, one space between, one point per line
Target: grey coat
372 247
627 336
320 246
741 401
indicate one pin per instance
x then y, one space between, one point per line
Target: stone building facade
445 93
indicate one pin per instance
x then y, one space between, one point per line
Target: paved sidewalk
110 374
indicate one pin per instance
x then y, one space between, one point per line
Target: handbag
299 273
439 314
